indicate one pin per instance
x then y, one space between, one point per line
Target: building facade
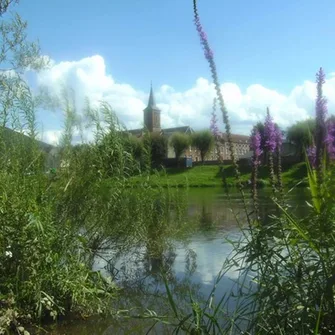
241 146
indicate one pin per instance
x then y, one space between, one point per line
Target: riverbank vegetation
54 225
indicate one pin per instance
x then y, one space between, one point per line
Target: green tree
159 149
17 103
301 135
4 4
203 141
135 147
17 55
180 143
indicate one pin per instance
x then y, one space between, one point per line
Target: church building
152 123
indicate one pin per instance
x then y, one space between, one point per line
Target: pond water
192 262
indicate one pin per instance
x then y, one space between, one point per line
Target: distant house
241 147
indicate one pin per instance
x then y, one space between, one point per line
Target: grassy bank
212 176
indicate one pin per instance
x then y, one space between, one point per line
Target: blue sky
276 44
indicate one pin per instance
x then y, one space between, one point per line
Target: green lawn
210 176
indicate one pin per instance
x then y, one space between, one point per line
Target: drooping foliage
158 149
204 142
179 142
301 135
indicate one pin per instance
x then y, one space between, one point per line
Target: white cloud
192 107
51 136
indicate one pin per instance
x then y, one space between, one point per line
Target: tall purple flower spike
203 40
311 154
330 139
320 131
210 58
279 137
255 145
213 126
321 101
270 133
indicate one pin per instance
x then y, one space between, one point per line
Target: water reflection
191 265
213 207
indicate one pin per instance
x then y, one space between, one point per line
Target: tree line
155 146
152 148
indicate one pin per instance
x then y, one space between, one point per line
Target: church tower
152 115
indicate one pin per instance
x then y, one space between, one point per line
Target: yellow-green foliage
212 176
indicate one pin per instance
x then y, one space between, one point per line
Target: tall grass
54 226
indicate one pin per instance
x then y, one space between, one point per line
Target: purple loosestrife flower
270 133
330 139
213 126
210 59
255 145
270 145
279 137
279 142
203 40
311 154
321 101
320 130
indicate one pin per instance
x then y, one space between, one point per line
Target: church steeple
151 102
152 114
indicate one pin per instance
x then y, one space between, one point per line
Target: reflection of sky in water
211 251
216 217
216 220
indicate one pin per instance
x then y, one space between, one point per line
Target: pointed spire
151 102
151 114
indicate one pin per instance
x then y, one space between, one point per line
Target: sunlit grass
211 176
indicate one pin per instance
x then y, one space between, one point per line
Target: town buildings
152 123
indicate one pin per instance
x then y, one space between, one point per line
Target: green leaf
312 180
170 297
